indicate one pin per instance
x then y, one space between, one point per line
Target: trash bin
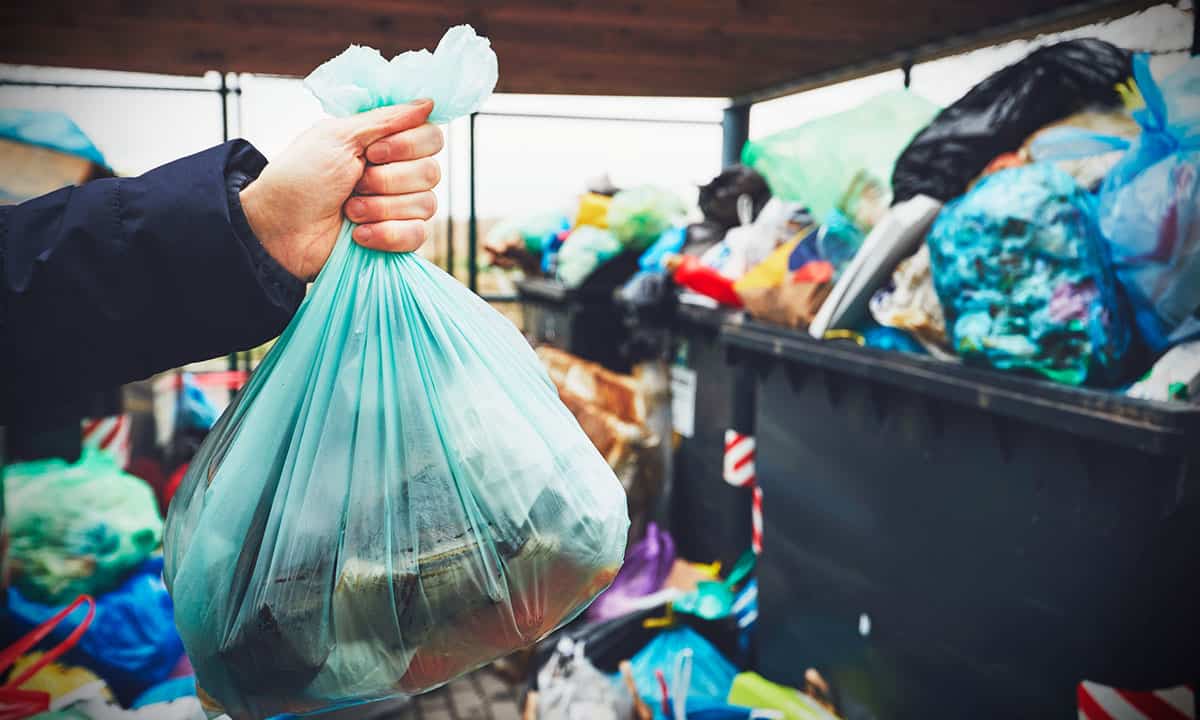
943 541
583 321
710 518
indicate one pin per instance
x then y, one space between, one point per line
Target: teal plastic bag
398 496
816 163
77 529
1025 280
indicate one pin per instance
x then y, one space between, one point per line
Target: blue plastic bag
131 644
1024 278
669 243
709 677
194 410
1150 202
397 496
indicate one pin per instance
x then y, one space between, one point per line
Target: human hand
296 205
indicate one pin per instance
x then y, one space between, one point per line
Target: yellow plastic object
54 679
770 272
665 621
754 691
844 335
593 210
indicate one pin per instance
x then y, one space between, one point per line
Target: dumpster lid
1160 428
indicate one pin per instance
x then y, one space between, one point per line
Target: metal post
907 67
1195 29
473 219
223 91
736 131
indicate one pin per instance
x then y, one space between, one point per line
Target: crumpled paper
458 76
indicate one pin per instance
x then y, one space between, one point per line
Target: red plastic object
814 271
697 277
18 704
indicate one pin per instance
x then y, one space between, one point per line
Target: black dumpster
950 542
710 519
583 321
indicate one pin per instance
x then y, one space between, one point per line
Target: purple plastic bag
646 569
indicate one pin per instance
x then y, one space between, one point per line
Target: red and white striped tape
110 435
739 472
1098 702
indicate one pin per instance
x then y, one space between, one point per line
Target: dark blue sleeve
121 278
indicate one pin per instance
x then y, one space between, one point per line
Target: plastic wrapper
1001 112
639 215
570 688
1024 278
646 569
691 273
397 496
910 302
817 162
593 210
750 243
77 529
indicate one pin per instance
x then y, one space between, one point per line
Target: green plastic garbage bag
398 496
77 529
639 215
817 162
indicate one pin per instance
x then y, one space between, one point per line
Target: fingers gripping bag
398 496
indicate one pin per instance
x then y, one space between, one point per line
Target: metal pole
473 219
736 131
223 91
1195 29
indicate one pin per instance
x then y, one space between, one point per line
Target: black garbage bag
998 114
719 198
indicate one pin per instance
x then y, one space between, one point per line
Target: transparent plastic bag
398 496
816 162
1149 209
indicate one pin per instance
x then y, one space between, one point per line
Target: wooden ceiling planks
703 48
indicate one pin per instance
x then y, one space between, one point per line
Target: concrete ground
483 695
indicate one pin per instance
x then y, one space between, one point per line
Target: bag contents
398 496
1024 278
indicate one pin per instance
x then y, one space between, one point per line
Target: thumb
366 128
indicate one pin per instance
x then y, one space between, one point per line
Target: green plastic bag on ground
398 496
816 163
77 528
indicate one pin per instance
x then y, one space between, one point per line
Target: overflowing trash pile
1045 224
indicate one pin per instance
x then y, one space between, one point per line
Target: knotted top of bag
458 76
1170 123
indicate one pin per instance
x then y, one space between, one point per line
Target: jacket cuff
243 167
